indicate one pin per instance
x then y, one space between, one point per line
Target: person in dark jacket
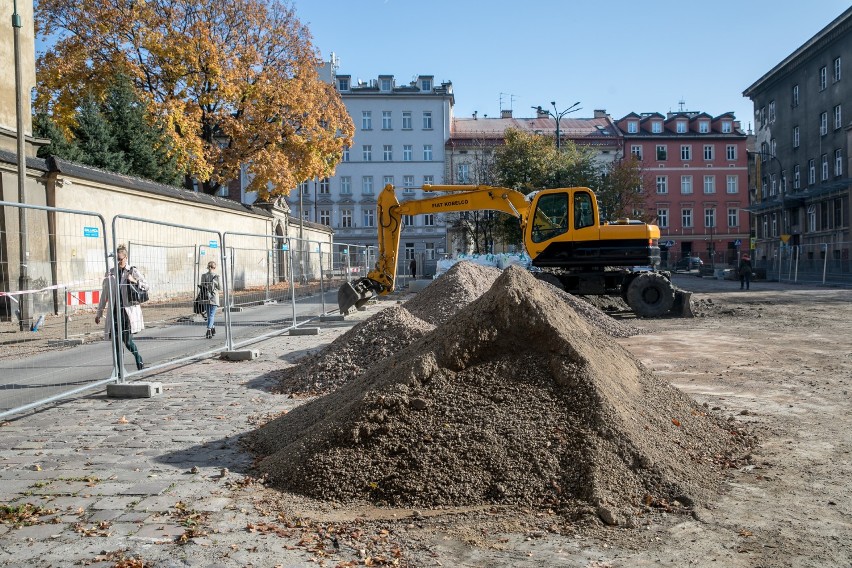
210 281
412 267
745 272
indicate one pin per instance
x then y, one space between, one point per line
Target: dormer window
385 84
632 127
342 84
656 127
704 127
426 84
726 126
681 127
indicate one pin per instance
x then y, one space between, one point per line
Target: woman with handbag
210 285
123 310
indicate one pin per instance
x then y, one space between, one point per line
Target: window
811 172
773 148
406 120
387 153
731 152
681 127
324 186
773 188
703 127
732 184
426 85
346 153
346 218
686 152
427 120
686 218
822 78
342 84
733 217
662 184
656 127
408 184
385 84
305 188
663 218
366 120
632 127
838 212
795 96
367 152
345 185
367 185
686 184
463 173
710 217
551 216
427 152
836 76
407 152
797 177
811 218
774 224
636 150
369 217
796 137
726 126
765 226
387 180
428 180
824 162
708 152
709 184
762 116
325 217
430 247
583 211
408 221
771 112
823 123
838 118
661 153
838 162
409 249
386 120
429 220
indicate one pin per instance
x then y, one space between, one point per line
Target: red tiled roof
568 127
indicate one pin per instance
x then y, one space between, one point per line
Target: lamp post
557 115
24 279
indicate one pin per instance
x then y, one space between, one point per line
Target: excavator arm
381 279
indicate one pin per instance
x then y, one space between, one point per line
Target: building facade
697 167
400 132
801 171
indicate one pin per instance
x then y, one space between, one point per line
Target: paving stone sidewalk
160 481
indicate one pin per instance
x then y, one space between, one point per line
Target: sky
617 55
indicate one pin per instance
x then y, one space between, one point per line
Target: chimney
600 113
541 112
507 113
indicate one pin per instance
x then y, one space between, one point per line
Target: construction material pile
514 400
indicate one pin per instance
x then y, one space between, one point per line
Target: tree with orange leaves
233 82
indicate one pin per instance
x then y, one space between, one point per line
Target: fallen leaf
122 420
676 422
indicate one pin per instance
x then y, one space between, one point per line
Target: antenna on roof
510 97
681 103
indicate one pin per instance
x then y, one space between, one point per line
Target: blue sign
738 242
214 244
668 243
93 232
285 246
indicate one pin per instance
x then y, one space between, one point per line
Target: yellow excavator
562 234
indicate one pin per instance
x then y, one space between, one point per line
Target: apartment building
400 132
802 130
698 165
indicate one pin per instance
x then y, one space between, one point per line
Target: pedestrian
412 267
122 314
745 272
210 282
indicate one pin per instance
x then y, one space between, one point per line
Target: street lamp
557 115
23 245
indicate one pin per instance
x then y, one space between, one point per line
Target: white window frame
838 117
836 74
686 152
732 184
427 152
636 150
346 153
369 216
703 126
686 217
731 151
823 78
325 217
325 186
709 217
733 217
427 120
367 185
823 123
387 153
771 112
824 169
366 120
811 171
795 96
428 180
367 152
463 173
632 127
346 185
407 152
387 180
656 127
428 220
681 127
387 120
727 127
346 218
663 150
797 177
663 218
838 162
709 184
408 184
407 120
662 184
709 152
796 137
686 185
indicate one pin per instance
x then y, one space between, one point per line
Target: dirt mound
463 283
386 333
515 400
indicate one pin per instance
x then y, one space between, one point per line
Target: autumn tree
624 190
234 83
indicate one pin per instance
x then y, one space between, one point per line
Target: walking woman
210 282
121 311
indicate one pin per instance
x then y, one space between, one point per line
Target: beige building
8 114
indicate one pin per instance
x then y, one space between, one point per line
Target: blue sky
618 55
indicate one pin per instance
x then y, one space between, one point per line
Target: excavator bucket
682 304
354 294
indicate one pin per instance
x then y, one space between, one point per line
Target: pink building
697 168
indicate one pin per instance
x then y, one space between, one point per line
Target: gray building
400 133
800 182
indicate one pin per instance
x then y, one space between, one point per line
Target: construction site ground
166 482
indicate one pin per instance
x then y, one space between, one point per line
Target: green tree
95 139
60 146
624 190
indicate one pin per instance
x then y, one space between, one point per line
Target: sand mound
463 283
385 334
515 400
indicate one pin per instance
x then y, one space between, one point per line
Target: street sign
738 242
668 243
213 244
92 232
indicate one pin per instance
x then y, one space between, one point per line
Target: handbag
135 294
199 305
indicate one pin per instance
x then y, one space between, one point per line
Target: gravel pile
383 335
515 400
463 283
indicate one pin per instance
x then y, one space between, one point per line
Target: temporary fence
813 263
50 345
49 294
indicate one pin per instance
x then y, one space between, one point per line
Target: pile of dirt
463 283
515 400
385 334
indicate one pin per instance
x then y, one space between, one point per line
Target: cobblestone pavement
157 481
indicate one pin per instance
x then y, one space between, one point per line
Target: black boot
209 334
213 330
140 365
